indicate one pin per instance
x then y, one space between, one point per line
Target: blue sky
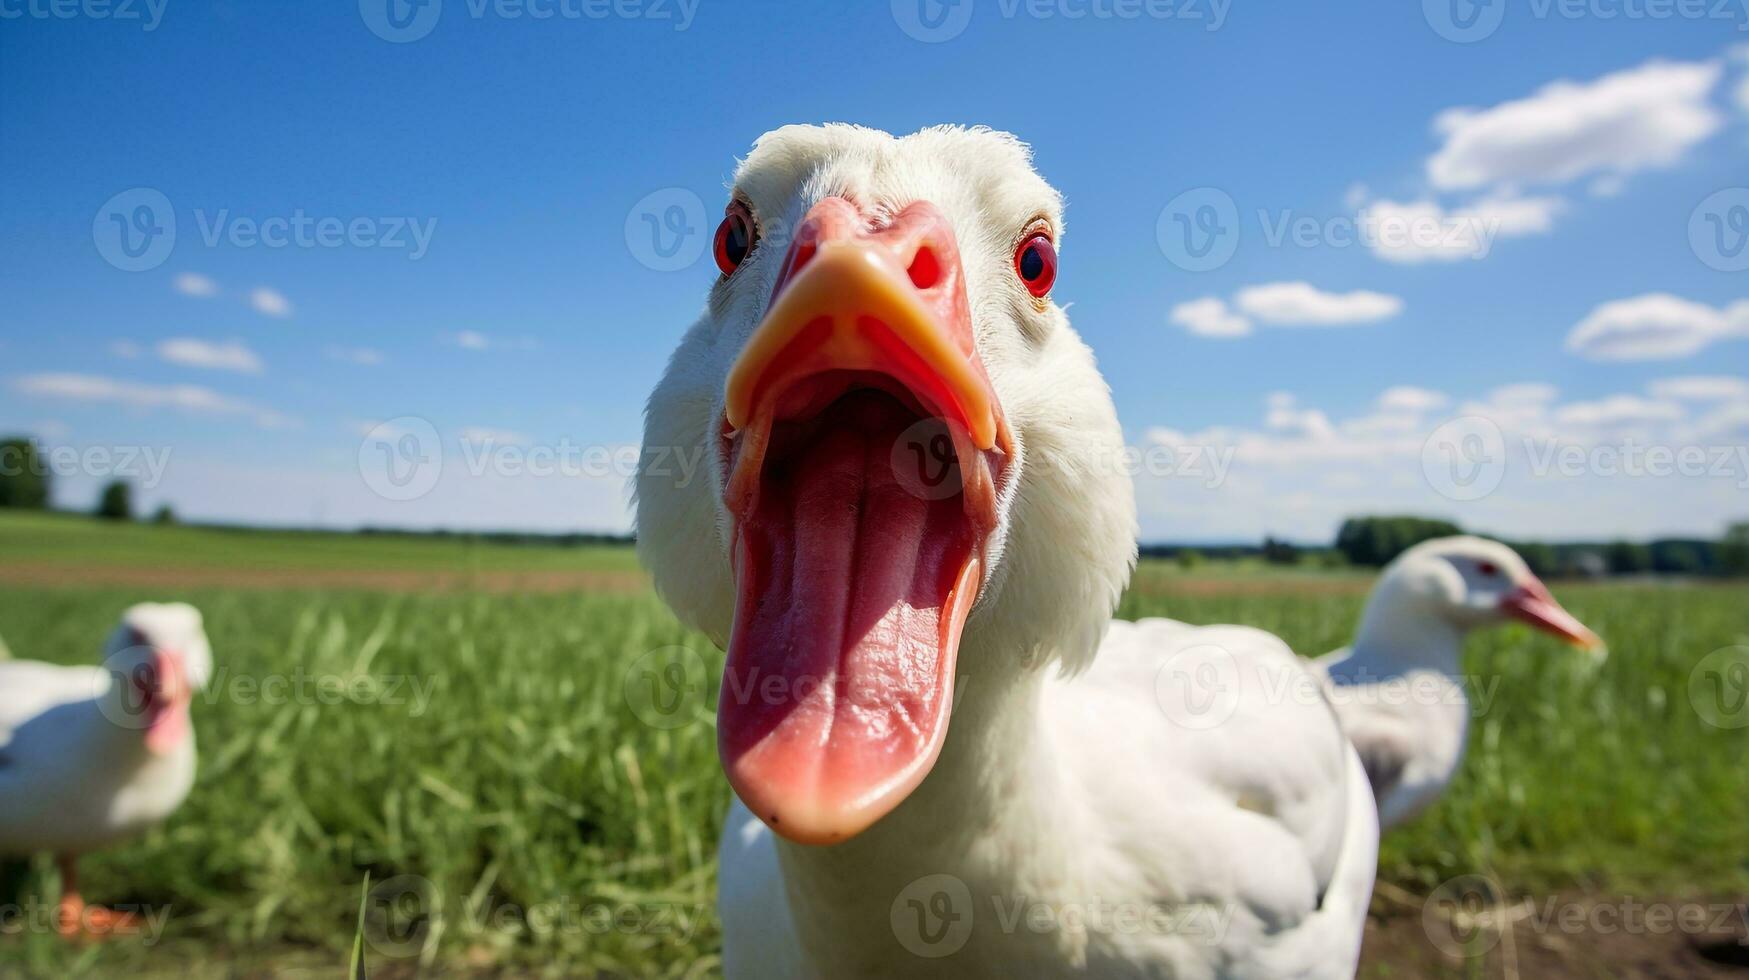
523 314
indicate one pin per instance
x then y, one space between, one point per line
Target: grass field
485 754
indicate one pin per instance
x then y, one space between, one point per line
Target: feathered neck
1400 633
993 811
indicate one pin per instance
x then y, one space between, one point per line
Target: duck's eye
735 238
1036 262
1488 569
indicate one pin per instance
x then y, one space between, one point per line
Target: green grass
71 540
521 777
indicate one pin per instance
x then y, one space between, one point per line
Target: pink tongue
852 592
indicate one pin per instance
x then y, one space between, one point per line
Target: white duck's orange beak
863 441
1533 603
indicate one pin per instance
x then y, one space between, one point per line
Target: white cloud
1608 185
1655 326
1301 471
1619 410
1426 231
475 340
228 356
1701 388
1210 317
125 349
189 398
270 302
1622 123
483 436
362 356
1408 398
195 284
1524 393
1300 304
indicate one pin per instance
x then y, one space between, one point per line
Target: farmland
462 721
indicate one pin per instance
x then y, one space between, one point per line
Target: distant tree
1734 550
1628 558
1278 552
1375 541
1679 557
1540 557
116 502
165 514
24 478
1189 558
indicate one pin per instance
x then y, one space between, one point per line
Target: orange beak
854 573
1533 603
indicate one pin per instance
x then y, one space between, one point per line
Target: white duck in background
917 512
1399 689
90 756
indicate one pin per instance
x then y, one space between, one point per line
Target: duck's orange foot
80 921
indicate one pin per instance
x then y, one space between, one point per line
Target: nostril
925 268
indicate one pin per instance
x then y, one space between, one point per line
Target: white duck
1399 689
917 512
93 755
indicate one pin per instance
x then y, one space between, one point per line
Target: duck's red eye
735 238
1036 262
1488 568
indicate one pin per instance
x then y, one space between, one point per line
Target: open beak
863 444
166 721
1532 603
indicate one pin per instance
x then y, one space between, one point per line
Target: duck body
1131 833
1400 691
962 767
73 780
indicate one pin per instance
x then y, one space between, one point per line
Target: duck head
157 657
1472 582
915 472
